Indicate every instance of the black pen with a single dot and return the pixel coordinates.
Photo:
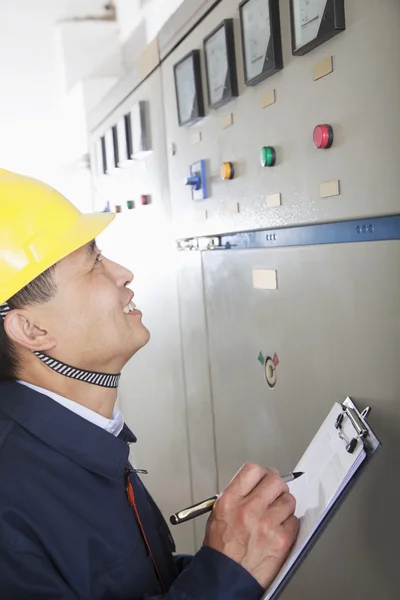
(207, 505)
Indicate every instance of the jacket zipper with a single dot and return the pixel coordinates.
(132, 502)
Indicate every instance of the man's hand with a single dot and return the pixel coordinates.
(253, 522)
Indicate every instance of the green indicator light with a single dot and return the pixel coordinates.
(267, 156)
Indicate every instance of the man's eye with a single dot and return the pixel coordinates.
(99, 259)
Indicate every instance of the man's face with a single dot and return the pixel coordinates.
(89, 318)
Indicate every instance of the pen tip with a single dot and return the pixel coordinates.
(298, 474)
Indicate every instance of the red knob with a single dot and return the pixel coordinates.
(323, 136)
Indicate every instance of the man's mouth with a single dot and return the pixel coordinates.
(130, 308)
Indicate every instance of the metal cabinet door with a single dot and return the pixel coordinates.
(334, 324)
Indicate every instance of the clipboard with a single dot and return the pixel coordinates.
(351, 444)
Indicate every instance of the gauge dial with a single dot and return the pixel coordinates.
(217, 66)
(110, 152)
(261, 39)
(308, 15)
(188, 88)
(314, 22)
(140, 130)
(122, 142)
(219, 51)
(257, 33)
(99, 160)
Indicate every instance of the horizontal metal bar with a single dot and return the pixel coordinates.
(343, 232)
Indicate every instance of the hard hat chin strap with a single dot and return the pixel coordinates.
(101, 379)
(93, 377)
(4, 309)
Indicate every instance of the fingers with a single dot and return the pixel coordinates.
(248, 478)
(289, 531)
(270, 487)
(282, 538)
(253, 522)
(281, 510)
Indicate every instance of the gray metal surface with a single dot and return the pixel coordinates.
(334, 324)
(196, 396)
(152, 394)
(181, 23)
(198, 384)
(360, 99)
(114, 97)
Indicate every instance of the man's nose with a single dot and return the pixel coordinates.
(120, 274)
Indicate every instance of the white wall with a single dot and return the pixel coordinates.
(33, 128)
(131, 14)
(36, 115)
(30, 88)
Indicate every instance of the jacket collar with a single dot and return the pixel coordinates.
(83, 442)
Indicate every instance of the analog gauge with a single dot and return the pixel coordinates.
(314, 22)
(140, 130)
(188, 89)
(111, 162)
(261, 39)
(99, 154)
(122, 142)
(219, 51)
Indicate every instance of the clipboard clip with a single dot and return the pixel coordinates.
(357, 420)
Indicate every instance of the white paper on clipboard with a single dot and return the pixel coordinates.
(328, 467)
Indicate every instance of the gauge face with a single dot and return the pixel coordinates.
(261, 39)
(110, 153)
(314, 22)
(217, 65)
(308, 15)
(122, 143)
(188, 89)
(257, 33)
(136, 128)
(219, 51)
(99, 160)
(139, 130)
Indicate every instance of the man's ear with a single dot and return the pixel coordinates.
(21, 329)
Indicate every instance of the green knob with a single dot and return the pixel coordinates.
(267, 156)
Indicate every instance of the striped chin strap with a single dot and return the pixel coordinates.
(4, 309)
(93, 377)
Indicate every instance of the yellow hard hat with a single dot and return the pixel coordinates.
(38, 227)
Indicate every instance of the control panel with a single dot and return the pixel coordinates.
(266, 88)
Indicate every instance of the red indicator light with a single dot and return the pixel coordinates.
(323, 136)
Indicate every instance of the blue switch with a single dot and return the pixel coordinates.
(198, 180)
(194, 180)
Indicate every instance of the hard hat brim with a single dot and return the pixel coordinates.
(84, 230)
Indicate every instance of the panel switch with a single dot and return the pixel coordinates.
(198, 181)
(194, 180)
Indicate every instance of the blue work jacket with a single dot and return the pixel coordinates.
(76, 522)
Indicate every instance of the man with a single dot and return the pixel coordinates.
(76, 522)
